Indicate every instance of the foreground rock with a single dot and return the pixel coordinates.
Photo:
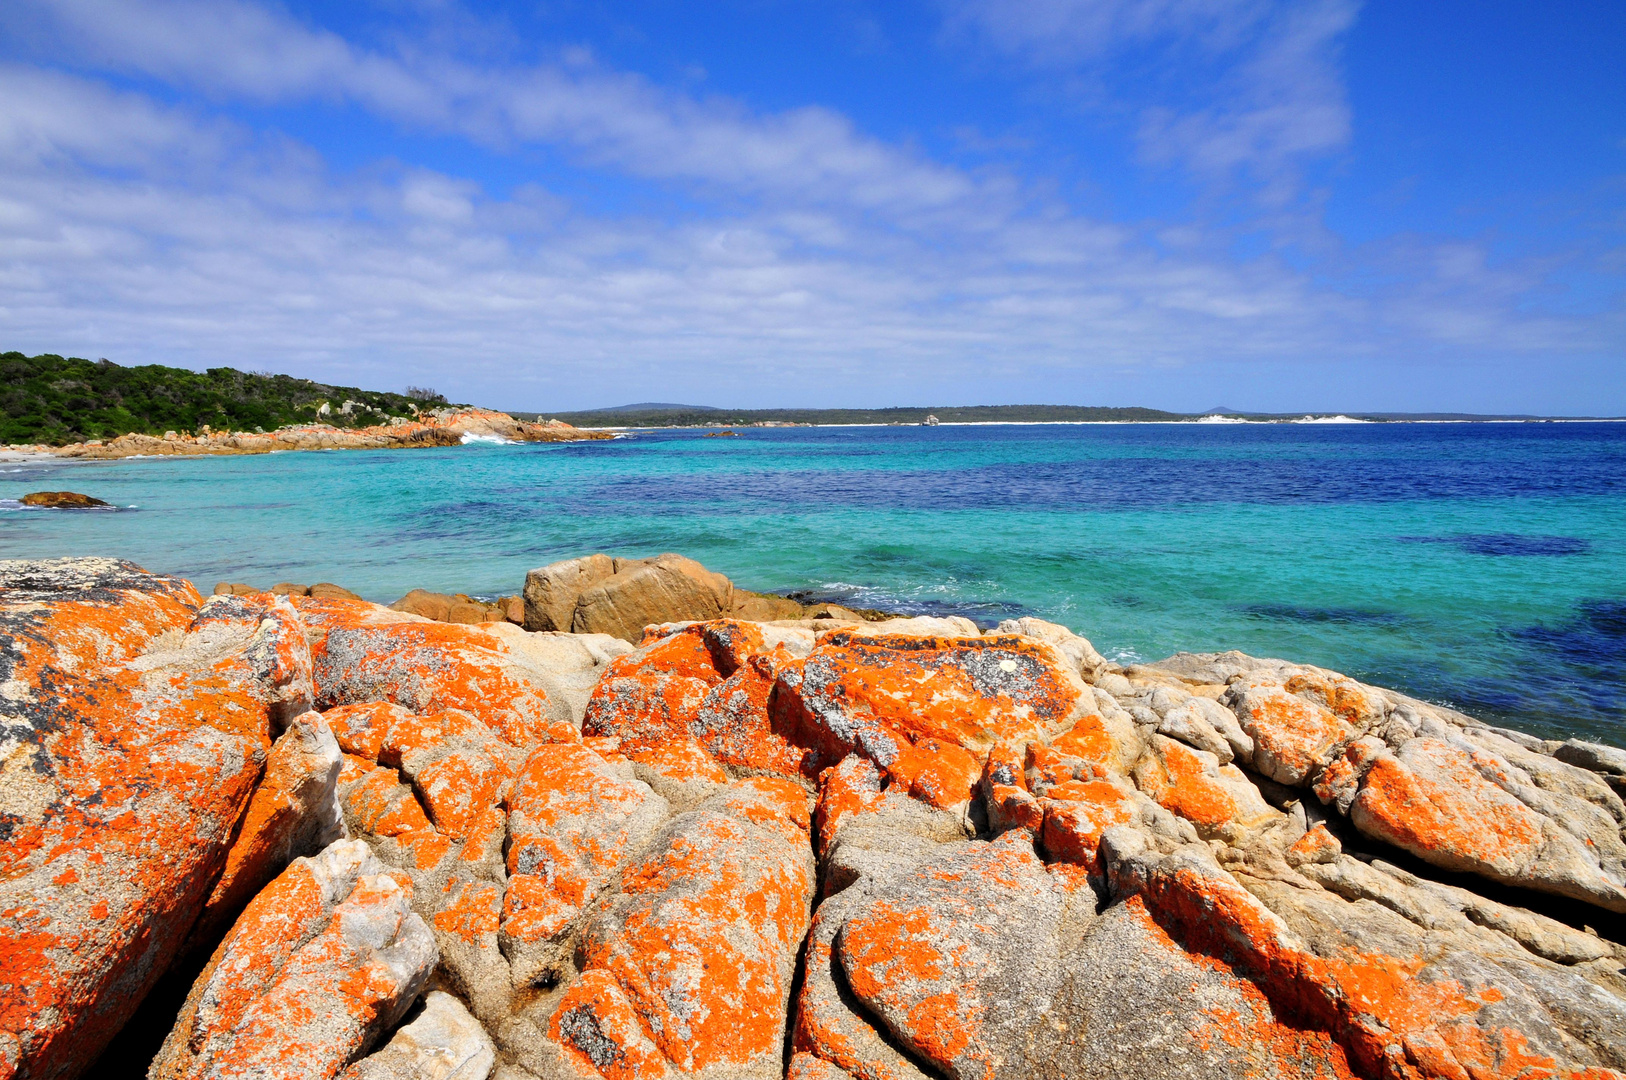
(135, 726)
(741, 849)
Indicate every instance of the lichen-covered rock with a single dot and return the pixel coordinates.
(130, 746)
(574, 820)
(1402, 998)
(294, 811)
(442, 1043)
(962, 957)
(689, 969)
(926, 710)
(323, 961)
(517, 683)
(708, 684)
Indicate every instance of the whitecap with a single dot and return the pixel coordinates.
(470, 438)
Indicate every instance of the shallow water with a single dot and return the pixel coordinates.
(1482, 565)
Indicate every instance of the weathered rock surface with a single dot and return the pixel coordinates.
(457, 608)
(600, 594)
(749, 849)
(442, 1043)
(135, 723)
(323, 961)
(61, 500)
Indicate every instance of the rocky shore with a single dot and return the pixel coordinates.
(726, 844)
(439, 427)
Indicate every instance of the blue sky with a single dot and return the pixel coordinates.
(1324, 205)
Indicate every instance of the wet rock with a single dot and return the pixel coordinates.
(61, 500)
(442, 1043)
(323, 961)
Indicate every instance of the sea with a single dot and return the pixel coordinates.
(1480, 565)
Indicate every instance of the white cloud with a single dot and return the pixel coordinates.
(1259, 91)
(820, 265)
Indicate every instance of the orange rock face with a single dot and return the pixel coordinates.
(366, 653)
(126, 770)
(1018, 875)
(706, 683)
(926, 710)
(574, 820)
(320, 964)
(697, 953)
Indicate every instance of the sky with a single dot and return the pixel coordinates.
(1322, 205)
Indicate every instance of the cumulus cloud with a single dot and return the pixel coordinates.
(780, 257)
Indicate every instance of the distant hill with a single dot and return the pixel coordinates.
(690, 416)
(57, 400)
(657, 407)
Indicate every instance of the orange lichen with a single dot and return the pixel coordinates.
(1389, 1020)
(1176, 779)
(1460, 820)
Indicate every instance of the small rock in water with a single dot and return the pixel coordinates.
(62, 500)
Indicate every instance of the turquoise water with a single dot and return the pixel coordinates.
(1479, 564)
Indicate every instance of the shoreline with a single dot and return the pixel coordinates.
(440, 427)
(519, 844)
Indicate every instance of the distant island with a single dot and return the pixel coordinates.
(663, 415)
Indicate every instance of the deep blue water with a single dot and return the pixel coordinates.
(1478, 564)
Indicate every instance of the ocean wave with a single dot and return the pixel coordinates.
(470, 439)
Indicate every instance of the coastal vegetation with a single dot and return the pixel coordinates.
(58, 400)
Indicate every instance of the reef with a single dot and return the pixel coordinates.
(605, 844)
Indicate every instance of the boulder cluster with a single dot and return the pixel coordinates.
(738, 848)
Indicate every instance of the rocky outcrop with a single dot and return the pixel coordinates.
(439, 427)
(747, 849)
(61, 500)
(321, 963)
(459, 607)
(600, 594)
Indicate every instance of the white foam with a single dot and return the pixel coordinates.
(470, 438)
